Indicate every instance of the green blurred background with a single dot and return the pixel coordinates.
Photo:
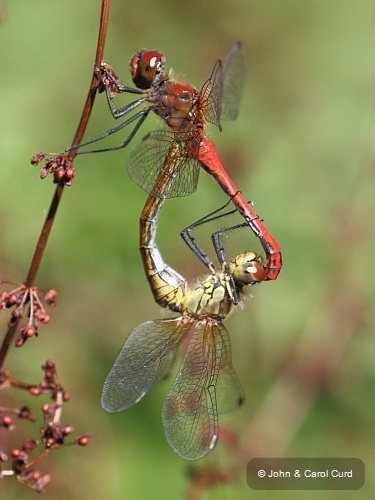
(302, 150)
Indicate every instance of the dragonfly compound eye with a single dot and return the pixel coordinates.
(247, 269)
(147, 68)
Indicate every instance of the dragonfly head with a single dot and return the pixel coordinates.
(246, 269)
(147, 68)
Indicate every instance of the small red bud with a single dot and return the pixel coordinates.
(59, 174)
(49, 374)
(30, 331)
(70, 173)
(7, 422)
(12, 299)
(17, 313)
(35, 391)
(83, 441)
(67, 429)
(46, 409)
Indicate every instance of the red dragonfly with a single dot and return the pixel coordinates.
(166, 162)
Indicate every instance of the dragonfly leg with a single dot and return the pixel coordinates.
(111, 83)
(218, 240)
(187, 235)
(140, 116)
(119, 112)
(188, 238)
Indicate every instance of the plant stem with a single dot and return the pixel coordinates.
(47, 226)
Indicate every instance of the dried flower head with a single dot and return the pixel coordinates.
(60, 166)
(54, 434)
(32, 300)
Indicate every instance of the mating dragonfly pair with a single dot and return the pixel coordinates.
(166, 164)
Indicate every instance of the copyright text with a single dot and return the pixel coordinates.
(306, 473)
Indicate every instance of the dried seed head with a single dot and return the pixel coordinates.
(37, 158)
(50, 297)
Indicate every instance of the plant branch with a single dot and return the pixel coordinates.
(47, 226)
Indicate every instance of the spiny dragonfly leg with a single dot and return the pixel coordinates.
(218, 243)
(188, 237)
(114, 82)
(112, 85)
(140, 116)
(110, 82)
(217, 239)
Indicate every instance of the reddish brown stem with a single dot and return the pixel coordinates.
(42, 455)
(47, 226)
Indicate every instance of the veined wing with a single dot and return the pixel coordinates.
(140, 361)
(229, 391)
(234, 67)
(164, 165)
(221, 94)
(190, 410)
(210, 95)
(169, 362)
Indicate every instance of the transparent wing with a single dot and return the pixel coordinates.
(233, 82)
(229, 391)
(190, 410)
(168, 365)
(139, 362)
(165, 166)
(221, 94)
(211, 95)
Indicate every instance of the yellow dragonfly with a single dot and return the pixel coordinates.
(206, 383)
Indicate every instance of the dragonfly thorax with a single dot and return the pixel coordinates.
(210, 298)
(178, 105)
